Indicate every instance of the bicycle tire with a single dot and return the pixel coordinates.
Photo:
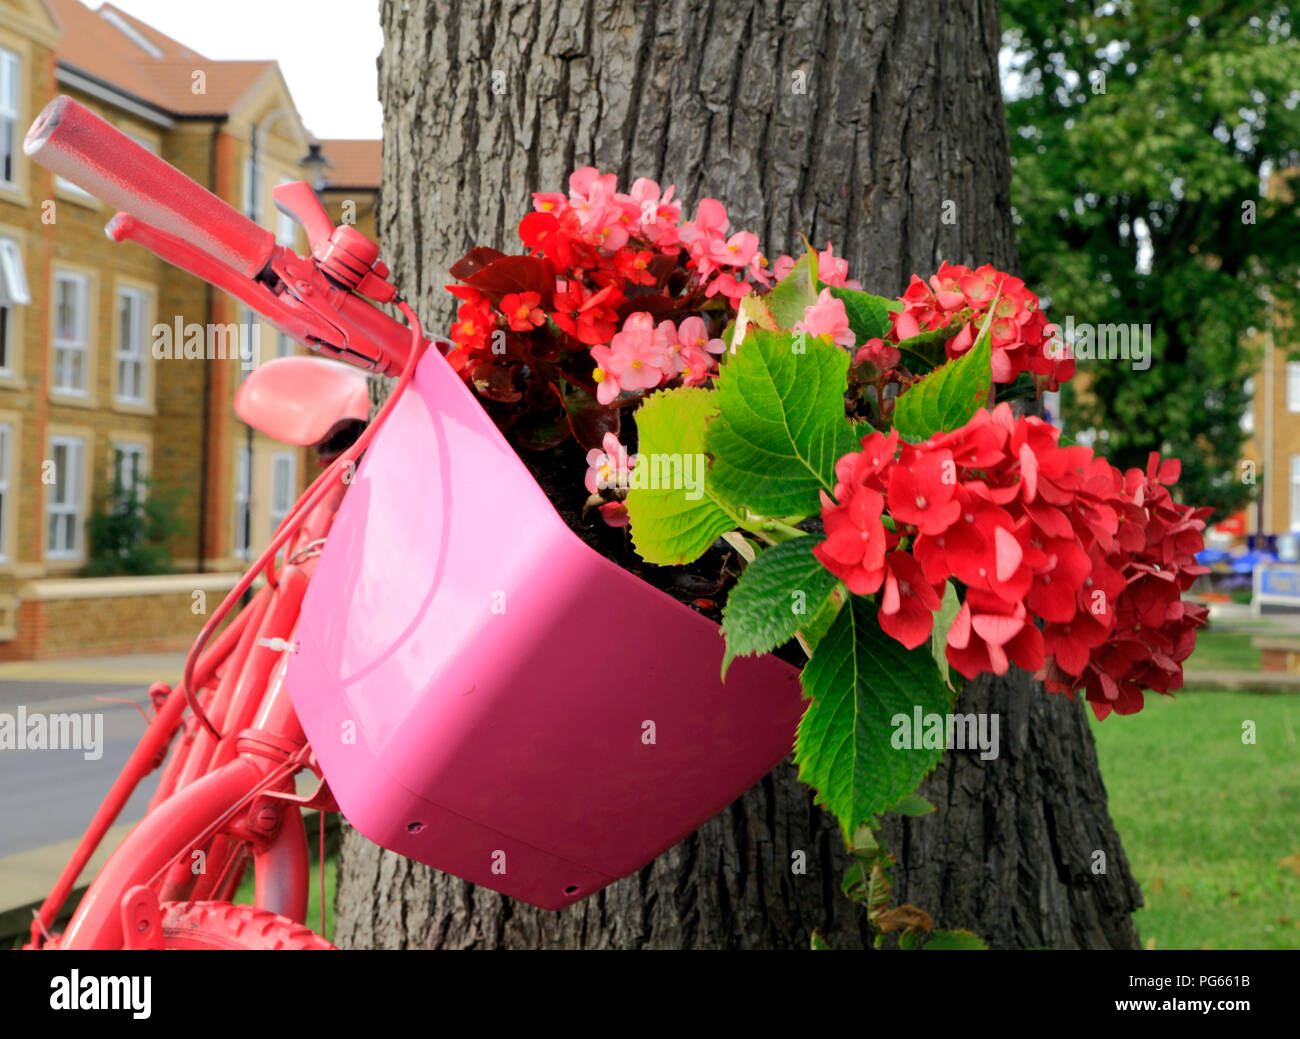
(222, 925)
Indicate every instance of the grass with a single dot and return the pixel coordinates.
(1223, 651)
(1206, 820)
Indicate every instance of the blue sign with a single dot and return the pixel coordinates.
(1278, 583)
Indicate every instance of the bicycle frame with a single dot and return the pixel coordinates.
(239, 788)
(227, 789)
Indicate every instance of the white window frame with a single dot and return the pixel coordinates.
(281, 503)
(72, 475)
(286, 229)
(1294, 486)
(11, 79)
(6, 467)
(243, 491)
(79, 343)
(14, 292)
(132, 354)
(1293, 386)
(133, 449)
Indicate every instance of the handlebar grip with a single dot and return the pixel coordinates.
(73, 142)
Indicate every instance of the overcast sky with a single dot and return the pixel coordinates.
(326, 50)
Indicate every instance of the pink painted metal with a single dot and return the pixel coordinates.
(299, 400)
(75, 143)
(525, 713)
(481, 691)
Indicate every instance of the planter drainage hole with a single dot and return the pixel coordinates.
(572, 889)
(414, 827)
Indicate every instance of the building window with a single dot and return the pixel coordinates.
(1295, 492)
(286, 231)
(1293, 386)
(1248, 415)
(10, 78)
(71, 304)
(128, 471)
(243, 489)
(6, 461)
(13, 293)
(64, 502)
(250, 337)
(284, 474)
(132, 372)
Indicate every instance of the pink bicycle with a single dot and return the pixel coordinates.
(420, 642)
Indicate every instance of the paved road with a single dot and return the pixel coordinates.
(51, 795)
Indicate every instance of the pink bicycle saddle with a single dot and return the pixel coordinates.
(300, 400)
(488, 695)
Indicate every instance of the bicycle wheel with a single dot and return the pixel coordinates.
(221, 925)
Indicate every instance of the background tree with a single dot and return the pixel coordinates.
(1143, 135)
(875, 124)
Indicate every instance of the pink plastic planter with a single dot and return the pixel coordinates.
(489, 696)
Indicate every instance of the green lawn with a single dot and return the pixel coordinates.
(1223, 651)
(1206, 819)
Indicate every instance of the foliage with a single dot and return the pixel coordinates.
(861, 455)
(1143, 138)
(128, 534)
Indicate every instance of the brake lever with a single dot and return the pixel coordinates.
(299, 202)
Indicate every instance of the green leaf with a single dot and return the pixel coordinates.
(780, 591)
(859, 680)
(674, 523)
(947, 397)
(947, 613)
(781, 426)
(954, 940)
(792, 294)
(752, 313)
(818, 942)
(868, 314)
(913, 805)
(929, 345)
(814, 630)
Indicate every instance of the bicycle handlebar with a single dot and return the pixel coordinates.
(76, 144)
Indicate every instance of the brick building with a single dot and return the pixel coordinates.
(85, 405)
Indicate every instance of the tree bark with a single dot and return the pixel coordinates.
(877, 124)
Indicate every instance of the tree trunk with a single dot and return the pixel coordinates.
(877, 124)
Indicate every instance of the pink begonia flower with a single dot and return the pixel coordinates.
(729, 286)
(550, 202)
(827, 317)
(691, 348)
(876, 351)
(657, 213)
(608, 469)
(759, 271)
(607, 387)
(737, 251)
(710, 221)
(783, 266)
(640, 355)
(614, 513)
(697, 365)
(834, 270)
